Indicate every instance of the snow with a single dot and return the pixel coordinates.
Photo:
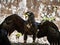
(13, 39)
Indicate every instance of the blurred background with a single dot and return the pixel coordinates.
(40, 8)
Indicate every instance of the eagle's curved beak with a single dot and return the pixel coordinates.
(25, 17)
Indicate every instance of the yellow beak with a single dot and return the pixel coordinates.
(25, 15)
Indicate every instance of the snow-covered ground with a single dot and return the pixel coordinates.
(13, 39)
